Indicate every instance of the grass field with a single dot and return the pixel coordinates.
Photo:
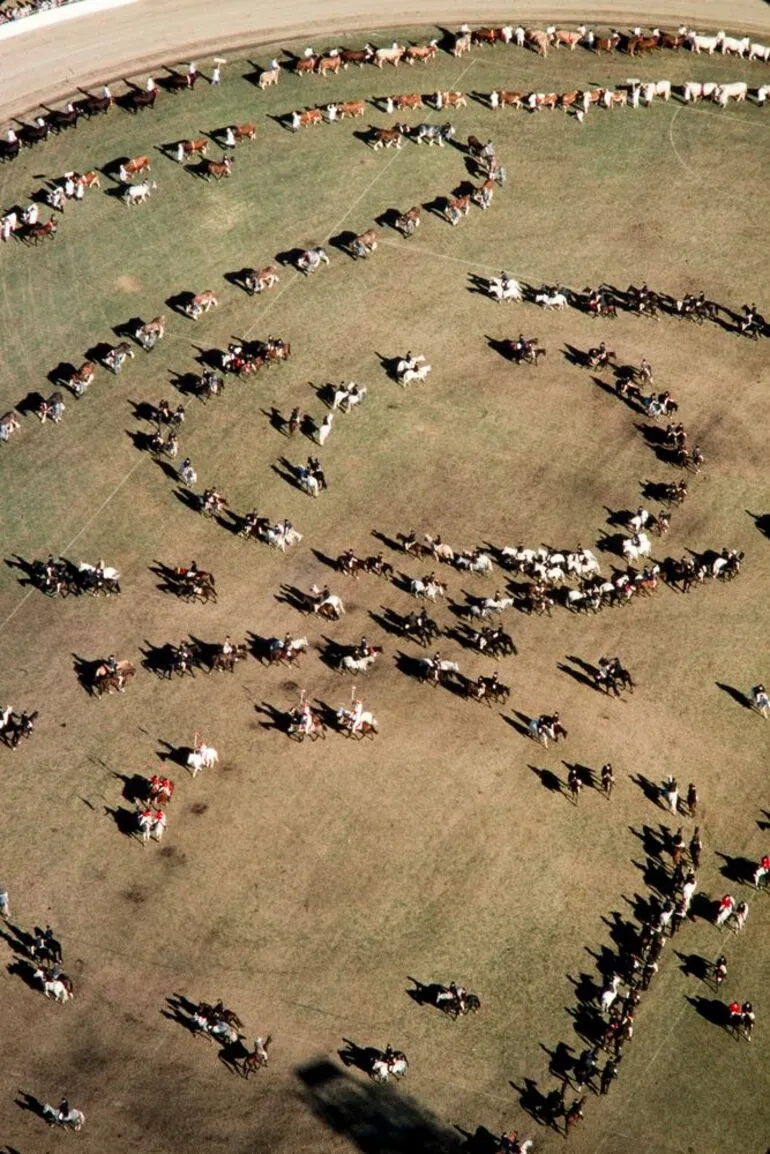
(302, 884)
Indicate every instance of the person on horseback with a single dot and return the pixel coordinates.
(410, 364)
(112, 664)
(361, 650)
(227, 649)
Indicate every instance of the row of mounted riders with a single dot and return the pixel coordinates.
(605, 301)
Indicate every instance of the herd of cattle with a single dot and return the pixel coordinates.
(570, 575)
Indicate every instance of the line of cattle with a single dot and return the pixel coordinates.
(329, 62)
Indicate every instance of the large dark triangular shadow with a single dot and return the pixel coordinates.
(375, 1119)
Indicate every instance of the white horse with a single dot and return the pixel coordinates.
(760, 700)
(60, 989)
(354, 721)
(333, 601)
(557, 300)
(583, 564)
(429, 667)
(202, 757)
(637, 546)
(510, 290)
(395, 1068)
(497, 604)
(308, 482)
(219, 1031)
(75, 1119)
(407, 375)
(640, 520)
(429, 589)
(609, 994)
(312, 259)
(357, 664)
(482, 563)
(139, 193)
(347, 397)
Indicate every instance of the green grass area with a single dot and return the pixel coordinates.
(315, 879)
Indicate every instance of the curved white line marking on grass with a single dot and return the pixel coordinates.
(705, 112)
(677, 154)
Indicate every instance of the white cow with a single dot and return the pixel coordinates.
(734, 45)
(736, 91)
(700, 44)
(759, 52)
(139, 193)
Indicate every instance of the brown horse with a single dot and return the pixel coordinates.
(226, 662)
(256, 1060)
(218, 168)
(37, 232)
(105, 680)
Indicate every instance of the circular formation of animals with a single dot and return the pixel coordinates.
(312, 437)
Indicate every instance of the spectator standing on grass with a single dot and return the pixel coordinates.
(5, 905)
(696, 848)
(608, 779)
(692, 799)
(609, 1073)
(761, 871)
(574, 784)
(216, 76)
(720, 970)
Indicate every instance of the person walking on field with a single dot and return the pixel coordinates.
(574, 784)
(696, 848)
(609, 1073)
(725, 910)
(608, 779)
(760, 872)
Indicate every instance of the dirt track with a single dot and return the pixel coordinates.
(39, 67)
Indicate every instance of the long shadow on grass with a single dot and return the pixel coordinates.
(736, 694)
(373, 1119)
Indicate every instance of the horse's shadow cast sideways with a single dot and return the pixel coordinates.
(736, 695)
(388, 620)
(27, 1101)
(711, 1009)
(25, 969)
(695, 966)
(649, 788)
(548, 778)
(85, 671)
(388, 542)
(761, 521)
(125, 819)
(737, 869)
(361, 1058)
(135, 787)
(176, 754)
(276, 719)
(425, 994)
(295, 598)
